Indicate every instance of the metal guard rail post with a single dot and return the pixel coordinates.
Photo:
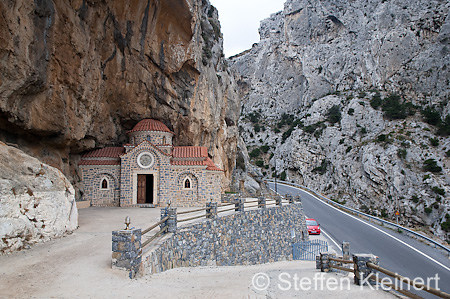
(365, 215)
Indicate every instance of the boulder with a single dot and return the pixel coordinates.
(37, 202)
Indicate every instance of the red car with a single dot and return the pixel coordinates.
(313, 226)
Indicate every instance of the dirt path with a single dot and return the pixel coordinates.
(79, 266)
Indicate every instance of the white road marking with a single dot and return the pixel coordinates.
(382, 231)
(328, 236)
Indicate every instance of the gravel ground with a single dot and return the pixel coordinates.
(79, 266)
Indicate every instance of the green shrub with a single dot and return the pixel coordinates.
(445, 226)
(348, 149)
(283, 176)
(276, 130)
(322, 168)
(438, 190)
(259, 163)
(428, 210)
(334, 114)
(351, 111)
(434, 141)
(257, 128)
(254, 117)
(381, 138)
(286, 134)
(431, 165)
(365, 209)
(431, 116)
(376, 101)
(415, 198)
(384, 214)
(401, 153)
(265, 149)
(255, 153)
(394, 108)
(363, 131)
(311, 128)
(444, 127)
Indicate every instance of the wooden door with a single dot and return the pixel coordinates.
(141, 188)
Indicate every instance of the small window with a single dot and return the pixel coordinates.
(164, 140)
(104, 184)
(187, 183)
(149, 138)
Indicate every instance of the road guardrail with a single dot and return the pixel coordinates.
(320, 196)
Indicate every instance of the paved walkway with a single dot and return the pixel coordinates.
(79, 266)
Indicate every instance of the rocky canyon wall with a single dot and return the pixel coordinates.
(351, 99)
(76, 75)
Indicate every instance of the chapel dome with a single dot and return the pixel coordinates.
(150, 125)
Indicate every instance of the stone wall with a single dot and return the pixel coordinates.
(244, 238)
(92, 176)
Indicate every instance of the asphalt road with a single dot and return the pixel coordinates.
(366, 237)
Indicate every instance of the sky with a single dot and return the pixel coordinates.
(240, 20)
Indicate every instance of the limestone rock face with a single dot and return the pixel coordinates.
(314, 55)
(76, 75)
(37, 202)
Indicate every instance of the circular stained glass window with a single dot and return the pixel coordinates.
(145, 160)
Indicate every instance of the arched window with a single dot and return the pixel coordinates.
(187, 183)
(104, 184)
(164, 140)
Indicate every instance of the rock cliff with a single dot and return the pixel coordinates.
(351, 99)
(37, 201)
(76, 75)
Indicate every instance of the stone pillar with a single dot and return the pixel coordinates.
(318, 263)
(126, 250)
(261, 202)
(172, 221)
(279, 200)
(239, 205)
(211, 211)
(290, 198)
(346, 250)
(324, 262)
(361, 269)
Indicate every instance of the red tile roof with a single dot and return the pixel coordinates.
(206, 162)
(188, 163)
(99, 162)
(107, 152)
(190, 152)
(150, 125)
(211, 165)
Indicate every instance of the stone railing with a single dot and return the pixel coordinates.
(256, 232)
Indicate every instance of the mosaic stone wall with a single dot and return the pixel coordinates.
(153, 137)
(92, 177)
(206, 185)
(244, 238)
